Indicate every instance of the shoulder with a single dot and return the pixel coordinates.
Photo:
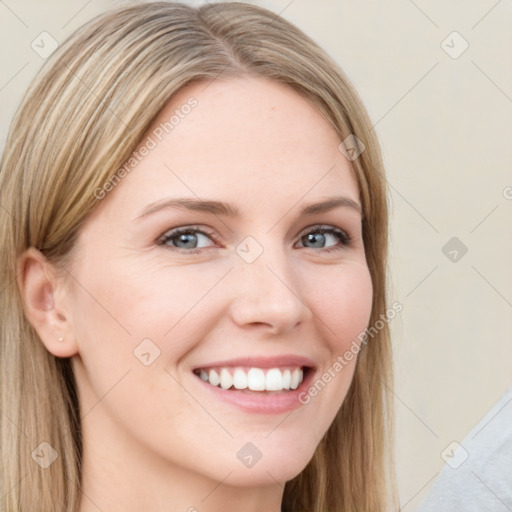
(478, 471)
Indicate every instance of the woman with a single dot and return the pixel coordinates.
(195, 222)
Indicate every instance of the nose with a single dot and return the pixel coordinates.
(268, 292)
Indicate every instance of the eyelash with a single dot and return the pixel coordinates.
(345, 239)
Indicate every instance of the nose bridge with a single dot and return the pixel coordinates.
(266, 286)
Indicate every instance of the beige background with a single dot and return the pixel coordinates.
(446, 128)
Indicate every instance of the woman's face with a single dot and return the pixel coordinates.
(249, 289)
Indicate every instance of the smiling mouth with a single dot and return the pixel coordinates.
(251, 379)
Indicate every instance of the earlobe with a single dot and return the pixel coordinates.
(43, 303)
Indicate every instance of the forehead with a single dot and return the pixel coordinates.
(247, 140)
(248, 114)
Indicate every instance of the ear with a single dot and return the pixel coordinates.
(44, 303)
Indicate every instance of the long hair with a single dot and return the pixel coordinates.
(80, 120)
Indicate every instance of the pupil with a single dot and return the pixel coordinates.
(187, 238)
(319, 239)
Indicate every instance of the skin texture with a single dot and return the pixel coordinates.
(154, 439)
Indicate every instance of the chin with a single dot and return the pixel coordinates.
(275, 464)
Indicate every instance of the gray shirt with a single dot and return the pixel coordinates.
(477, 475)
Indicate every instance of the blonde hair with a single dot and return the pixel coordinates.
(80, 120)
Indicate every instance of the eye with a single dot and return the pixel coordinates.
(185, 239)
(318, 236)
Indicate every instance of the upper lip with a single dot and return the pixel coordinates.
(261, 362)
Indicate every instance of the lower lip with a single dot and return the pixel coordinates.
(261, 402)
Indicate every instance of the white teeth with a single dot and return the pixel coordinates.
(226, 381)
(240, 379)
(287, 379)
(213, 378)
(296, 378)
(274, 380)
(255, 379)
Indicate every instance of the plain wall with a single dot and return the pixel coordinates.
(445, 125)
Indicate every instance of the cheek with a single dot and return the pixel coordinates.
(138, 301)
(131, 327)
(343, 304)
(125, 317)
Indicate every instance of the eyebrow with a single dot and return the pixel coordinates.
(230, 210)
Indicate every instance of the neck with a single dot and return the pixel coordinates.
(121, 475)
